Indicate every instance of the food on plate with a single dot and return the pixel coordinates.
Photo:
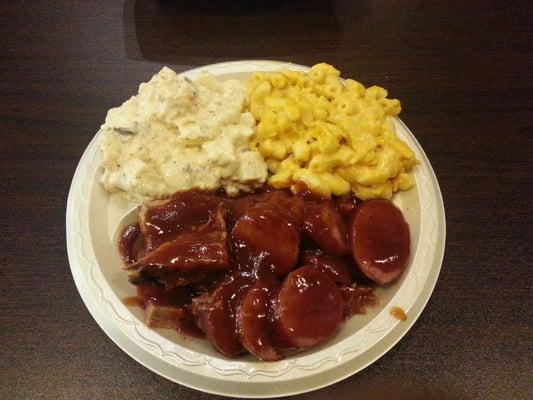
(380, 240)
(184, 240)
(309, 308)
(264, 231)
(265, 217)
(253, 318)
(178, 134)
(333, 135)
(215, 314)
(323, 223)
(270, 273)
(338, 268)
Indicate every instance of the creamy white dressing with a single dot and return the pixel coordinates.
(176, 134)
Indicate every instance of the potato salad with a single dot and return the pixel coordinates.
(176, 134)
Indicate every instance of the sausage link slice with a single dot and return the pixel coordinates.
(309, 308)
(323, 223)
(215, 315)
(265, 231)
(253, 320)
(339, 269)
(380, 240)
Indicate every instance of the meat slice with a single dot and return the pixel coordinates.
(254, 323)
(189, 258)
(309, 308)
(215, 314)
(290, 207)
(188, 252)
(380, 240)
(241, 206)
(339, 269)
(161, 221)
(168, 309)
(157, 294)
(323, 224)
(265, 238)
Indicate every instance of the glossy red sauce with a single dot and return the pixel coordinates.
(255, 320)
(128, 243)
(215, 314)
(356, 298)
(184, 211)
(340, 269)
(179, 297)
(309, 308)
(380, 240)
(269, 273)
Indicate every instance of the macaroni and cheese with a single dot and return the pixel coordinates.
(333, 135)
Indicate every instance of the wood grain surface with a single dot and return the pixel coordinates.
(463, 73)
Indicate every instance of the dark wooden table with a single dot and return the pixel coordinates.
(463, 73)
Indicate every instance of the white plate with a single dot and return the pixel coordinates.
(92, 217)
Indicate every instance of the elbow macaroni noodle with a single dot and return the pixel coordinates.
(333, 135)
